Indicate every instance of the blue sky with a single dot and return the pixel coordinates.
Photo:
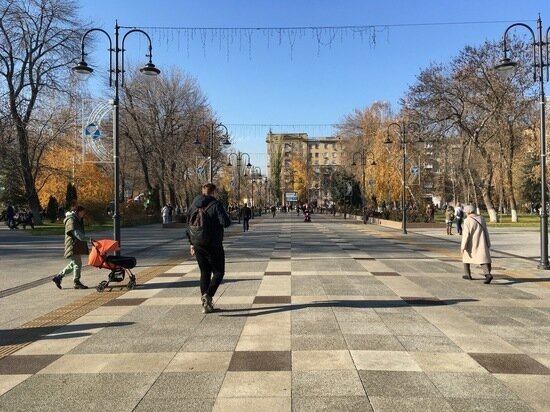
(257, 84)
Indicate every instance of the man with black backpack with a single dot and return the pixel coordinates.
(206, 220)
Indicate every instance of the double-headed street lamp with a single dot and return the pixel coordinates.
(238, 158)
(363, 155)
(116, 70)
(403, 129)
(540, 61)
(212, 128)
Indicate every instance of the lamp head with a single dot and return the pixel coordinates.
(229, 164)
(373, 163)
(249, 164)
(82, 70)
(150, 70)
(506, 67)
(387, 140)
(197, 141)
(226, 142)
(353, 163)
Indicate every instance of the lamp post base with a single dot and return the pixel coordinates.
(543, 266)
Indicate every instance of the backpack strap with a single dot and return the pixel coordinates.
(213, 202)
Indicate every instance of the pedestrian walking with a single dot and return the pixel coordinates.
(165, 212)
(273, 210)
(476, 244)
(246, 214)
(76, 245)
(10, 217)
(449, 218)
(207, 219)
(459, 216)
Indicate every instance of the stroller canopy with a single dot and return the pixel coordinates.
(100, 249)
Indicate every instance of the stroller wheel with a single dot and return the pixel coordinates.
(101, 286)
(131, 284)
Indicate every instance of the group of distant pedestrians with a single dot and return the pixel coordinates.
(15, 217)
(207, 218)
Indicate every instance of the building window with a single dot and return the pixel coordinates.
(316, 162)
(317, 154)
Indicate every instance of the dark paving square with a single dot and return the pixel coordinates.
(272, 299)
(277, 273)
(125, 302)
(385, 274)
(419, 301)
(510, 363)
(260, 361)
(25, 364)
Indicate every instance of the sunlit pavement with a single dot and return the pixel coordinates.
(330, 315)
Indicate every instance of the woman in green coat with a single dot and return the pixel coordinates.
(76, 245)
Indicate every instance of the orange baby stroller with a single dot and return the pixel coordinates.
(100, 257)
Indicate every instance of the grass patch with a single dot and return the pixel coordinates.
(50, 229)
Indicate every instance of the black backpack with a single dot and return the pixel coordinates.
(200, 228)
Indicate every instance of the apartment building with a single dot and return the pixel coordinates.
(320, 157)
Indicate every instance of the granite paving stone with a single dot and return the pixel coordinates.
(397, 404)
(331, 383)
(331, 404)
(510, 363)
(398, 384)
(470, 385)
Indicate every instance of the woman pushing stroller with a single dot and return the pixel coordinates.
(76, 245)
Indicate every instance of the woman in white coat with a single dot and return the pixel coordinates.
(476, 244)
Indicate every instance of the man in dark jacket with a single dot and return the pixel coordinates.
(210, 257)
(246, 214)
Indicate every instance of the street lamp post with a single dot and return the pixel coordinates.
(239, 157)
(540, 61)
(403, 129)
(116, 70)
(212, 128)
(363, 154)
(255, 172)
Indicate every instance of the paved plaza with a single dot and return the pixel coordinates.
(331, 315)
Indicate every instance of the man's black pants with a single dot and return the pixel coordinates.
(212, 265)
(245, 224)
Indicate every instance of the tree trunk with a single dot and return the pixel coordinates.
(28, 177)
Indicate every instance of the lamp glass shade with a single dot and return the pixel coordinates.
(506, 68)
(150, 70)
(82, 70)
(226, 142)
(387, 140)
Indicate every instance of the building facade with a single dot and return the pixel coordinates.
(318, 156)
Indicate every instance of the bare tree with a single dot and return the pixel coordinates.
(465, 103)
(160, 120)
(38, 40)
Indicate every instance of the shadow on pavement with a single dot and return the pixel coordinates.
(356, 304)
(184, 284)
(26, 335)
